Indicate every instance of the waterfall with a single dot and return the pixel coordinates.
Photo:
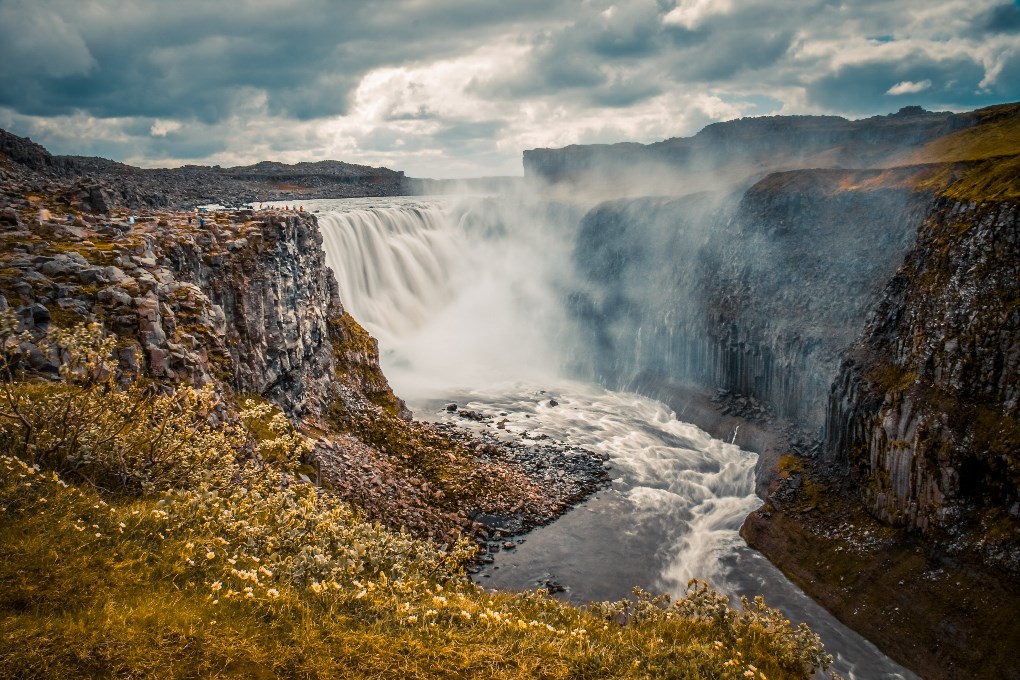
(469, 301)
(393, 264)
(458, 293)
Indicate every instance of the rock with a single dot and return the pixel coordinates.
(96, 200)
(553, 402)
(33, 316)
(553, 586)
(158, 360)
(56, 267)
(114, 296)
(451, 408)
(152, 333)
(128, 359)
(9, 218)
(116, 275)
(36, 359)
(92, 275)
(74, 306)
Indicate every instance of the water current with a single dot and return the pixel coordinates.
(466, 298)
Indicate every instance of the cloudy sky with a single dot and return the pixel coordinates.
(458, 88)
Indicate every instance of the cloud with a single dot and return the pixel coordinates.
(38, 42)
(439, 87)
(161, 128)
(908, 87)
(1004, 18)
(690, 14)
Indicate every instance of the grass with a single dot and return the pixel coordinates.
(94, 586)
(218, 563)
(978, 163)
(995, 134)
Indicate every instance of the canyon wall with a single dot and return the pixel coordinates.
(740, 152)
(759, 294)
(924, 414)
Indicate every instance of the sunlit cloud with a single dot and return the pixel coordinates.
(907, 87)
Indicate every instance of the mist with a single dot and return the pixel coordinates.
(522, 306)
(461, 291)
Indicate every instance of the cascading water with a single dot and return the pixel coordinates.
(382, 253)
(467, 299)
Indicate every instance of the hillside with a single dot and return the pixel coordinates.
(110, 184)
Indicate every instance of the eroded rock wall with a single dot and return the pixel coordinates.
(243, 300)
(925, 412)
(759, 294)
(276, 296)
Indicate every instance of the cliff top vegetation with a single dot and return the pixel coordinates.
(142, 541)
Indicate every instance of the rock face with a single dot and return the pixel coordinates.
(925, 411)
(271, 298)
(246, 302)
(759, 294)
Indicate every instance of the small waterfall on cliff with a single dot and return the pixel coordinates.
(468, 301)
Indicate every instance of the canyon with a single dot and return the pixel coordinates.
(846, 290)
(855, 289)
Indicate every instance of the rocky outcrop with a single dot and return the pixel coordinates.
(273, 297)
(925, 413)
(242, 301)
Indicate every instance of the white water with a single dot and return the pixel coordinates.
(466, 300)
(454, 300)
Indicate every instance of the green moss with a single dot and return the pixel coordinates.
(357, 359)
(64, 318)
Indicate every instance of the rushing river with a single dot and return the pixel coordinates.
(466, 299)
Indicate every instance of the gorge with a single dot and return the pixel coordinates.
(787, 292)
(846, 291)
